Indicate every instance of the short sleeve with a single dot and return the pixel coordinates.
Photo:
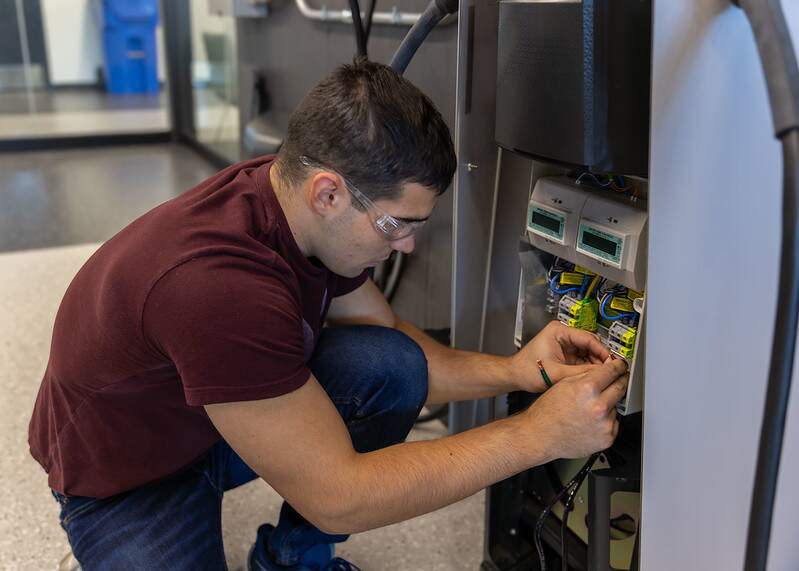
(344, 285)
(232, 327)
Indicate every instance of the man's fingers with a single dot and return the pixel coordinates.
(582, 342)
(596, 360)
(615, 391)
(603, 376)
(558, 371)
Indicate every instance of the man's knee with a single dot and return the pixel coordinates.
(401, 363)
(374, 368)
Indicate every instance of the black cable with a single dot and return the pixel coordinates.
(433, 14)
(778, 59)
(360, 37)
(571, 489)
(568, 506)
(564, 528)
(539, 526)
(368, 25)
(782, 357)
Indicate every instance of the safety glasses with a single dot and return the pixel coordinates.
(385, 224)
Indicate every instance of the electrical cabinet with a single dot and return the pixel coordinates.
(709, 212)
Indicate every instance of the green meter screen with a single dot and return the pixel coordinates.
(599, 243)
(541, 219)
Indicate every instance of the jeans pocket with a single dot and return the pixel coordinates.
(60, 498)
(76, 506)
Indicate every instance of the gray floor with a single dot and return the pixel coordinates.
(79, 196)
(78, 99)
(87, 195)
(75, 112)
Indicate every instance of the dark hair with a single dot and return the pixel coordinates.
(374, 127)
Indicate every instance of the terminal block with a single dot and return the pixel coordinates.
(578, 313)
(621, 339)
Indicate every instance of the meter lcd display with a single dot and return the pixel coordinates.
(599, 243)
(541, 219)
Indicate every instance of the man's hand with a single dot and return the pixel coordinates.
(577, 417)
(564, 351)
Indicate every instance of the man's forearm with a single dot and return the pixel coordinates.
(460, 375)
(410, 479)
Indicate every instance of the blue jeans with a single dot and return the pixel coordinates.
(376, 378)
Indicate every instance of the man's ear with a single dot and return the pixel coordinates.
(326, 194)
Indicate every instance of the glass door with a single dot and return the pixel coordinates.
(214, 81)
(81, 68)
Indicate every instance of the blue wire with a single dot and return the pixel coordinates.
(602, 305)
(583, 288)
(555, 288)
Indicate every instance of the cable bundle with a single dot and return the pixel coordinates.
(569, 492)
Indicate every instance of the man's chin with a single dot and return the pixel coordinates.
(353, 272)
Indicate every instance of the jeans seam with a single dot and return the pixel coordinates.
(204, 471)
(349, 401)
(220, 543)
(283, 549)
(346, 400)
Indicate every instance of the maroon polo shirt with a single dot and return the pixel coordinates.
(205, 299)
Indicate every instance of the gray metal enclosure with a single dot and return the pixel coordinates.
(715, 220)
(714, 208)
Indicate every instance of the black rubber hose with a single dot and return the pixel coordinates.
(360, 37)
(564, 531)
(778, 59)
(369, 17)
(782, 357)
(432, 15)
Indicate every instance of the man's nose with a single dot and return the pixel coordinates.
(404, 245)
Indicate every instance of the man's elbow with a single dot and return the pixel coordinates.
(337, 517)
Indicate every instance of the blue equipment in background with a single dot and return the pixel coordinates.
(131, 59)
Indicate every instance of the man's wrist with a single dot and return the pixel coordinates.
(513, 375)
(521, 377)
(538, 439)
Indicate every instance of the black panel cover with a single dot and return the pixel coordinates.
(573, 82)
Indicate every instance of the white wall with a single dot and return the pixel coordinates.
(715, 202)
(73, 40)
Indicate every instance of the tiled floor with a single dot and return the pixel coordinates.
(78, 99)
(73, 112)
(75, 123)
(82, 112)
(55, 198)
(74, 197)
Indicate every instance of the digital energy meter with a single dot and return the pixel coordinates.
(601, 233)
(611, 240)
(553, 215)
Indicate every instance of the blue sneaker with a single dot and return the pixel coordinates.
(318, 558)
(339, 564)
